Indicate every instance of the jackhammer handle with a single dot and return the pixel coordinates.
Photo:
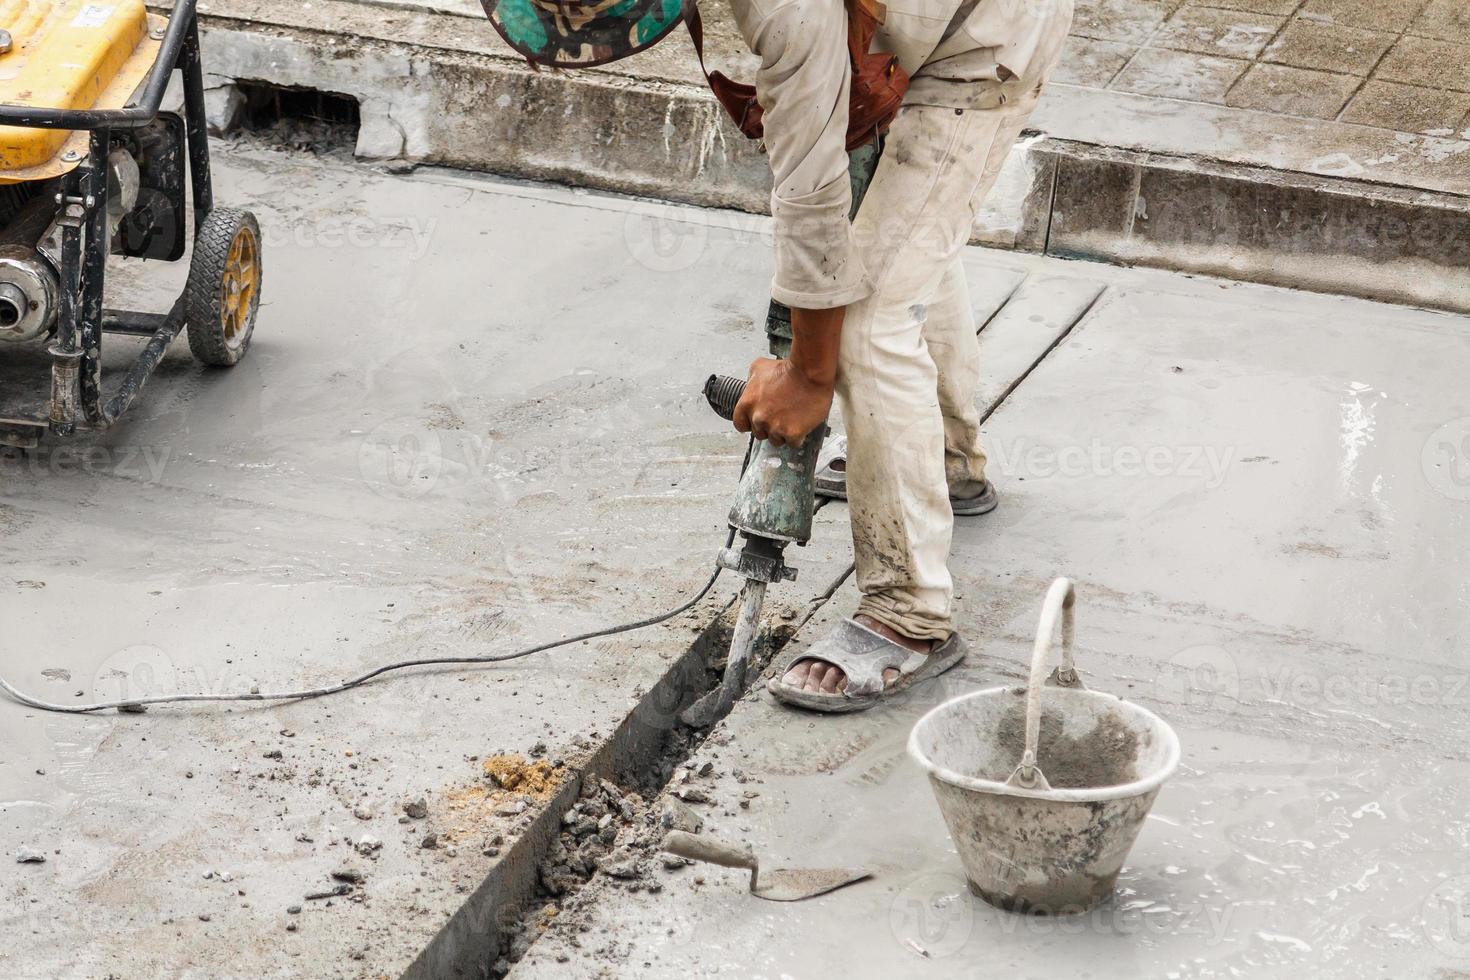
(723, 394)
(697, 848)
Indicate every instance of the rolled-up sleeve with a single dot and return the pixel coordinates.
(803, 86)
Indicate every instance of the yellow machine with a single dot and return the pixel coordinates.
(90, 167)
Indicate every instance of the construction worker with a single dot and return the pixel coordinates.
(880, 309)
(881, 313)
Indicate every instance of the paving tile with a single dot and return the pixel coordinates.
(1429, 63)
(1375, 15)
(1091, 62)
(1281, 8)
(1293, 91)
(1129, 21)
(1224, 33)
(1445, 19)
(1179, 75)
(1409, 109)
(1329, 47)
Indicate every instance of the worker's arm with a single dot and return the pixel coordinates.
(803, 86)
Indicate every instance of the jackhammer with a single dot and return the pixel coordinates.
(776, 499)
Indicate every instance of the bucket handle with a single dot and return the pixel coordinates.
(1061, 602)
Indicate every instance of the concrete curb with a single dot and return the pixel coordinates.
(1269, 226)
(461, 106)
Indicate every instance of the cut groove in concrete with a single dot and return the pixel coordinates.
(642, 753)
(472, 939)
(1041, 314)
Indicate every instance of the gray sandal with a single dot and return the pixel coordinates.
(863, 654)
(832, 483)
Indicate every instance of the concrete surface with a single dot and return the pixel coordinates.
(470, 421)
(1263, 497)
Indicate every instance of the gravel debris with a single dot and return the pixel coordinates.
(517, 774)
(678, 815)
(692, 794)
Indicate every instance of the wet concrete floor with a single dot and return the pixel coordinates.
(472, 422)
(1264, 499)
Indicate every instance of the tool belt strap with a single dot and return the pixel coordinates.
(878, 81)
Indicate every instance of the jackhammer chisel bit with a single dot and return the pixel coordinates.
(777, 497)
(773, 508)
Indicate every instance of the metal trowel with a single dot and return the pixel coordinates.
(778, 885)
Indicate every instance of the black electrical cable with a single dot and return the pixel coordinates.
(139, 704)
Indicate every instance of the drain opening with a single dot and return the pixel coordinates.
(303, 118)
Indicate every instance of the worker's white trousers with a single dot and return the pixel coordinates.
(910, 360)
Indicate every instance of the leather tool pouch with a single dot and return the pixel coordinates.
(878, 82)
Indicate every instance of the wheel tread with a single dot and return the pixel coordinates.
(204, 298)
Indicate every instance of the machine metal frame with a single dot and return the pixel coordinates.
(76, 398)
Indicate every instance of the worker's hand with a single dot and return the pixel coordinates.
(781, 404)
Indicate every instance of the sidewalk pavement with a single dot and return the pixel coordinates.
(1389, 64)
(1318, 144)
(1397, 65)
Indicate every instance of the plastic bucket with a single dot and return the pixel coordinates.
(1044, 788)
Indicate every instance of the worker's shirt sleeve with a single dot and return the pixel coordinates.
(803, 85)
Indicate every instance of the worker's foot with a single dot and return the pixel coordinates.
(820, 677)
(859, 664)
(832, 483)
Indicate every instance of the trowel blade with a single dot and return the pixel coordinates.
(795, 884)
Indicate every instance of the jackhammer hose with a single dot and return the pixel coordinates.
(723, 394)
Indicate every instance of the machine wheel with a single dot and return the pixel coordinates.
(224, 287)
